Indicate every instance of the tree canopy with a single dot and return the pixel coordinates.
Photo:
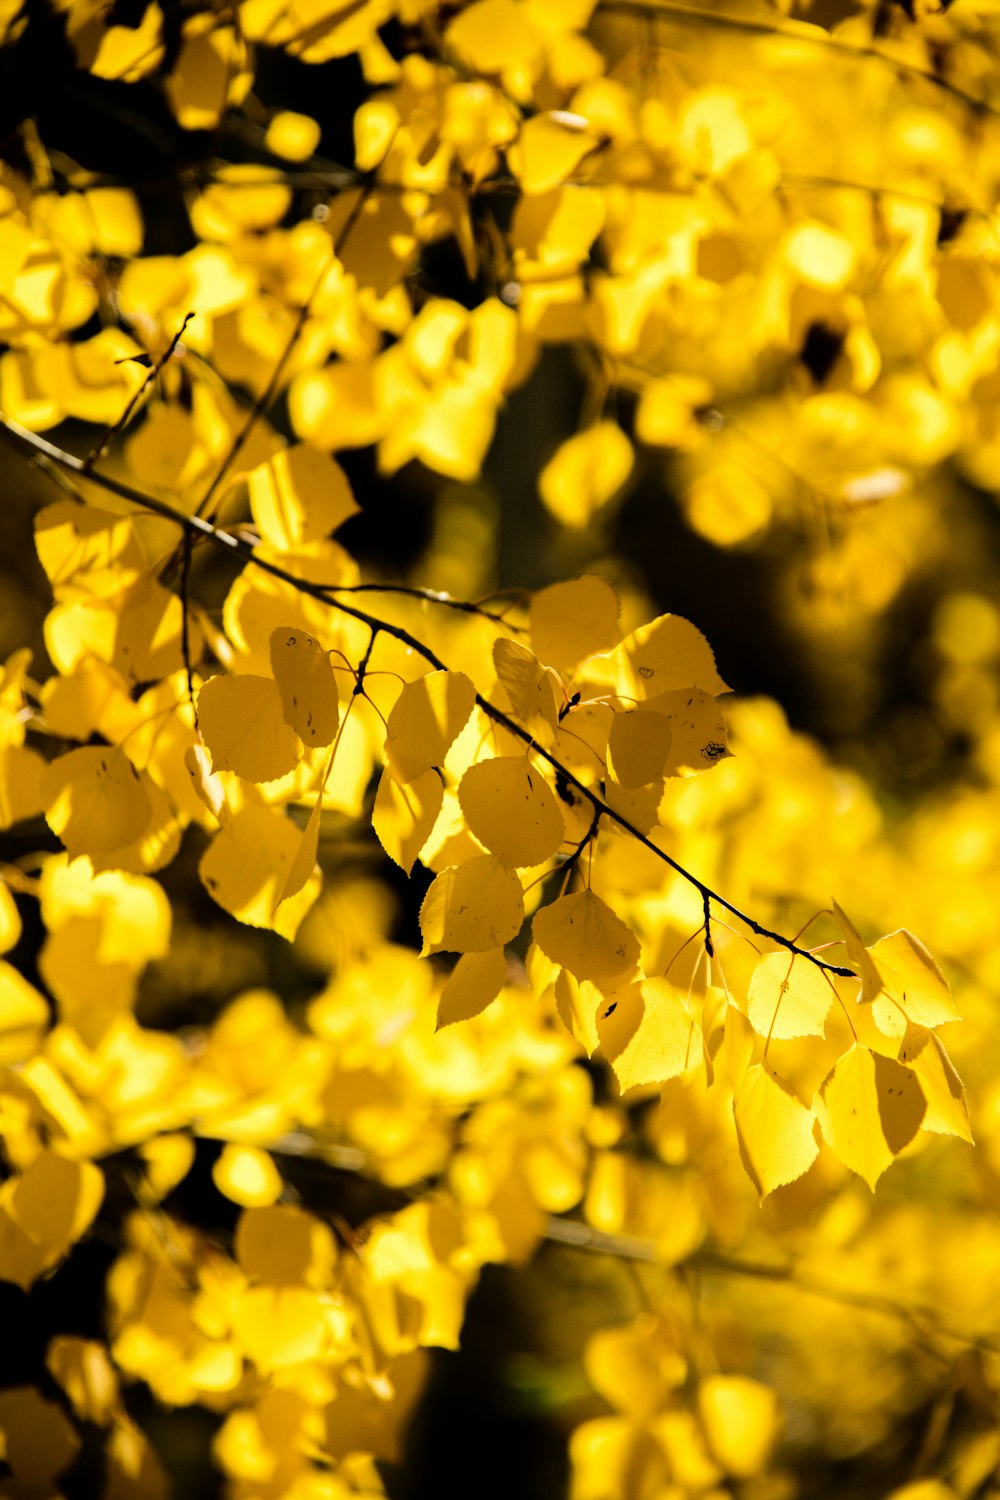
(499, 748)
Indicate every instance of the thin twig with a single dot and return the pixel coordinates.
(116, 427)
(270, 390)
(240, 546)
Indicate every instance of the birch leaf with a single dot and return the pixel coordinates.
(511, 809)
(242, 722)
(774, 1129)
(471, 907)
(307, 684)
(426, 718)
(404, 816)
(869, 1108)
(582, 934)
(788, 997)
(473, 984)
(647, 1034)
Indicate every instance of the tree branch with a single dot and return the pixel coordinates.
(244, 549)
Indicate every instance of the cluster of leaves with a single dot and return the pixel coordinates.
(782, 324)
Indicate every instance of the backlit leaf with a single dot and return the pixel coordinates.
(664, 656)
(869, 1108)
(299, 495)
(788, 997)
(548, 150)
(947, 1110)
(858, 957)
(648, 1034)
(472, 907)
(585, 472)
(530, 688)
(774, 1129)
(247, 1176)
(913, 987)
(426, 718)
(247, 864)
(582, 934)
(307, 684)
(571, 621)
(95, 799)
(638, 746)
(403, 816)
(242, 721)
(474, 982)
(511, 809)
(740, 1418)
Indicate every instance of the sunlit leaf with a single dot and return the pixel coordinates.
(511, 810)
(648, 1034)
(472, 907)
(788, 997)
(95, 799)
(582, 934)
(307, 684)
(404, 815)
(570, 621)
(774, 1129)
(474, 982)
(869, 1108)
(425, 719)
(242, 721)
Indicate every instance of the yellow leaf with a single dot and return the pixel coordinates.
(20, 784)
(530, 688)
(473, 983)
(585, 472)
(39, 1441)
(858, 957)
(307, 684)
(511, 809)
(426, 718)
(285, 1246)
(582, 934)
(913, 987)
(166, 1159)
(86, 551)
(56, 1200)
(698, 733)
(280, 1325)
(24, 1016)
(774, 1129)
(638, 746)
(571, 621)
(869, 1108)
(299, 495)
(490, 35)
(404, 816)
(10, 919)
(662, 657)
(647, 1034)
(246, 866)
(292, 136)
(209, 74)
(577, 1003)
(247, 1176)
(947, 1110)
(85, 1372)
(472, 907)
(95, 799)
(740, 1419)
(549, 149)
(788, 997)
(242, 722)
